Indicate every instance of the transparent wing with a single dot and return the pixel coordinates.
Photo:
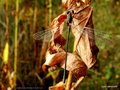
(105, 39)
(100, 35)
(43, 35)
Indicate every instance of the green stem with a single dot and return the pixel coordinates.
(50, 11)
(16, 45)
(7, 20)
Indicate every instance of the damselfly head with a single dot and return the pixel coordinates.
(67, 12)
(73, 12)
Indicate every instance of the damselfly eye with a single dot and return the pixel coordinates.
(72, 11)
(67, 12)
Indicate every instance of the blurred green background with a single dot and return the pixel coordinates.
(35, 16)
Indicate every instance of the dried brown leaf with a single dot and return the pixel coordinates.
(84, 45)
(57, 27)
(74, 63)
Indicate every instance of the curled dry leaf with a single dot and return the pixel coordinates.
(74, 63)
(57, 27)
(84, 45)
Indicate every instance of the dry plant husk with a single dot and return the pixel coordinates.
(84, 43)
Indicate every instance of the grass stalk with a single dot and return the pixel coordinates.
(50, 11)
(7, 20)
(16, 44)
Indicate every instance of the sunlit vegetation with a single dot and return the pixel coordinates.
(21, 57)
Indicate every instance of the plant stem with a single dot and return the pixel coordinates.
(50, 11)
(48, 17)
(69, 81)
(34, 26)
(7, 20)
(16, 45)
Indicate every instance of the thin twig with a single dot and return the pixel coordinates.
(78, 82)
(3, 24)
(20, 36)
(39, 78)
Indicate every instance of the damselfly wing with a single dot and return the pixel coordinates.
(100, 35)
(45, 34)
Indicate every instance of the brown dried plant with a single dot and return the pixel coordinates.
(85, 49)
